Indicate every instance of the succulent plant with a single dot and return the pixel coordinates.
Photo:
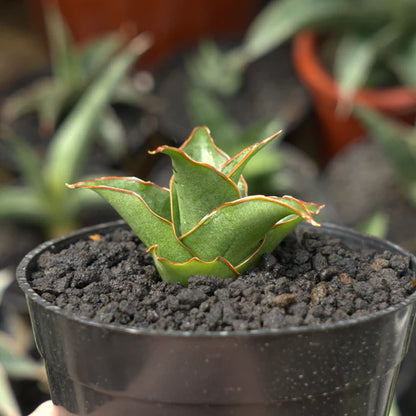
(205, 224)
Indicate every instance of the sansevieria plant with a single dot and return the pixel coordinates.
(206, 223)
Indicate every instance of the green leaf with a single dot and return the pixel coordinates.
(396, 139)
(235, 229)
(53, 106)
(404, 63)
(272, 239)
(377, 225)
(198, 186)
(353, 60)
(67, 152)
(14, 361)
(280, 20)
(156, 197)
(98, 53)
(174, 207)
(214, 70)
(234, 167)
(21, 204)
(27, 160)
(206, 110)
(201, 148)
(8, 403)
(145, 207)
(6, 278)
(26, 100)
(112, 134)
(180, 272)
(355, 57)
(66, 64)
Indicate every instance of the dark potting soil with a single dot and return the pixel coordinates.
(310, 278)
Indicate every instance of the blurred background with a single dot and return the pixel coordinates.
(87, 87)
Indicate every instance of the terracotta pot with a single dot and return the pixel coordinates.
(338, 131)
(174, 23)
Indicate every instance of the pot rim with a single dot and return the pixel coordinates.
(298, 330)
(321, 81)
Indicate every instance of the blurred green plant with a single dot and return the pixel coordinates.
(398, 141)
(41, 199)
(15, 360)
(73, 69)
(374, 39)
(376, 225)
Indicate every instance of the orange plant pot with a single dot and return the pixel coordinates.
(338, 131)
(173, 23)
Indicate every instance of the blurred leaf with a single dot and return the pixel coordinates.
(398, 140)
(281, 19)
(376, 225)
(215, 70)
(66, 154)
(404, 63)
(98, 53)
(54, 103)
(8, 403)
(355, 57)
(206, 110)
(127, 94)
(15, 362)
(27, 160)
(66, 64)
(19, 203)
(27, 99)
(112, 134)
(394, 411)
(6, 277)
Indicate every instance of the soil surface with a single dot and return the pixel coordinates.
(311, 278)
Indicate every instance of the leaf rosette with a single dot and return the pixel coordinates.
(205, 223)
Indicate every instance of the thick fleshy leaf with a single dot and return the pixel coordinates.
(273, 238)
(233, 168)
(156, 197)
(180, 272)
(142, 211)
(235, 229)
(174, 207)
(201, 147)
(199, 187)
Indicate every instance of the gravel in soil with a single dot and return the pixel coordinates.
(310, 278)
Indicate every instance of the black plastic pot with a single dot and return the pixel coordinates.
(347, 368)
